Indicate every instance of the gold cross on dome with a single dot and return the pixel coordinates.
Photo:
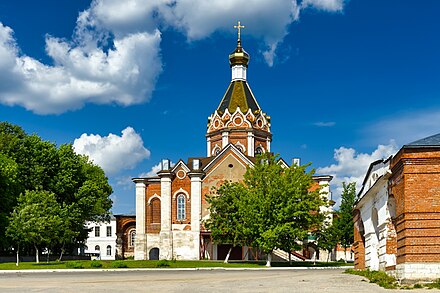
(239, 27)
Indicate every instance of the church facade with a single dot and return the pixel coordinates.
(397, 214)
(171, 207)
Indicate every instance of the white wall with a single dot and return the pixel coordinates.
(103, 241)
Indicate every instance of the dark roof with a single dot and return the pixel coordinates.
(238, 94)
(429, 141)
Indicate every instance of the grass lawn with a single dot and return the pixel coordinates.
(108, 264)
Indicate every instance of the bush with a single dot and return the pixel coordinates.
(119, 264)
(162, 263)
(95, 264)
(74, 265)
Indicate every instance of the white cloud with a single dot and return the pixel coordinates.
(113, 153)
(114, 55)
(327, 5)
(325, 124)
(352, 166)
(152, 172)
(125, 74)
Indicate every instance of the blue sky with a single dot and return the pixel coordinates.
(132, 82)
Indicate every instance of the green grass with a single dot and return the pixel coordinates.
(378, 277)
(104, 264)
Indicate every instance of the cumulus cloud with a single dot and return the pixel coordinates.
(352, 166)
(125, 74)
(113, 153)
(114, 54)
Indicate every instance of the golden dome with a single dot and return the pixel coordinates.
(239, 56)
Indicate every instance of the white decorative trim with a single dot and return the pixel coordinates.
(239, 145)
(152, 197)
(179, 192)
(182, 176)
(214, 150)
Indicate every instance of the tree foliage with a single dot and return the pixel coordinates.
(344, 217)
(29, 164)
(274, 207)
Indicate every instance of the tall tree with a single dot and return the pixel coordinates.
(284, 208)
(8, 191)
(225, 222)
(344, 217)
(81, 188)
(276, 206)
(36, 220)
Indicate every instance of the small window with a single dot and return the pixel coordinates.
(181, 207)
(109, 231)
(259, 150)
(97, 248)
(97, 231)
(109, 250)
(132, 237)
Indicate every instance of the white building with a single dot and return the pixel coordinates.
(101, 241)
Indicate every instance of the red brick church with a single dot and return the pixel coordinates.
(171, 207)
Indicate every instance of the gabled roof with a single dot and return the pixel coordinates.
(430, 141)
(230, 147)
(237, 95)
(182, 164)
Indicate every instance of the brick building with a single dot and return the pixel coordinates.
(397, 215)
(171, 207)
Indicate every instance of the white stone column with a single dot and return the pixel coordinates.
(166, 236)
(250, 144)
(225, 139)
(268, 144)
(208, 147)
(196, 210)
(140, 248)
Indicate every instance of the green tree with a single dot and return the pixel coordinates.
(344, 217)
(275, 207)
(8, 191)
(225, 222)
(36, 220)
(81, 188)
(327, 238)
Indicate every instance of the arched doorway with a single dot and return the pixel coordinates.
(153, 254)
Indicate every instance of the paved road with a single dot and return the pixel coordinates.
(216, 280)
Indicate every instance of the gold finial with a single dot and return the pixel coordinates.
(239, 27)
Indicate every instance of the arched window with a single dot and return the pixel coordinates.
(109, 250)
(132, 237)
(97, 248)
(259, 150)
(181, 207)
(155, 210)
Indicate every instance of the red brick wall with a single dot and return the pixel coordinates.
(152, 189)
(415, 184)
(359, 242)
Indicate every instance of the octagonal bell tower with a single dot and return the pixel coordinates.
(238, 119)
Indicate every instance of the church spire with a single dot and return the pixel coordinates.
(239, 58)
(238, 120)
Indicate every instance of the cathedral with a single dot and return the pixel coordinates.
(171, 207)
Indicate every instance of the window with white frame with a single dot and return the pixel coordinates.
(109, 250)
(109, 231)
(181, 203)
(132, 237)
(97, 248)
(97, 231)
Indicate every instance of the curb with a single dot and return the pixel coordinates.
(170, 269)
